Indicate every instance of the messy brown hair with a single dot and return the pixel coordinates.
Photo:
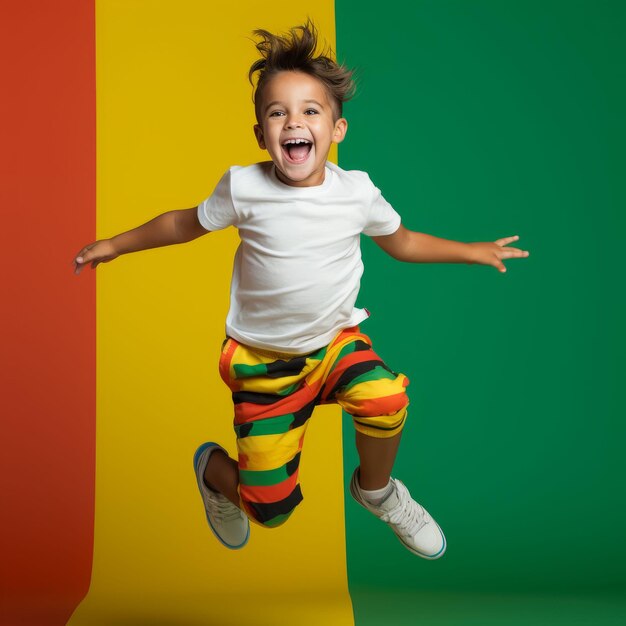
(295, 52)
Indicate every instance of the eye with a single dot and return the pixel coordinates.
(276, 113)
(310, 112)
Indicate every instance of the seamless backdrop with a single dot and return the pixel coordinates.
(477, 120)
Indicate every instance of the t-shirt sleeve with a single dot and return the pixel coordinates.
(218, 210)
(382, 218)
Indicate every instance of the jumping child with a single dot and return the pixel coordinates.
(293, 339)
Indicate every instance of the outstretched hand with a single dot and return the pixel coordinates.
(101, 251)
(487, 253)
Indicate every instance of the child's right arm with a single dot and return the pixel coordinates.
(164, 230)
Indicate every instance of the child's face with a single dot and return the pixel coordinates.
(296, 106)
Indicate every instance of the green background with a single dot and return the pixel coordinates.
(480, 120)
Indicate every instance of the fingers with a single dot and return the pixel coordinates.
(78, 263)
(82, 258)
(510, 253)
(513, 253)
(506, 240)
(83, 253)
(487, 253)
(499, 265)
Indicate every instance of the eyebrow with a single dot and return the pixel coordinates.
(274, 102)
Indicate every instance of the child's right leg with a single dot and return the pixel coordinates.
(272, 407)
(227, 521)
(222, 475)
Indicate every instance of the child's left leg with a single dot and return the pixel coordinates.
(373, 488)
(377, 457)
(376, 398)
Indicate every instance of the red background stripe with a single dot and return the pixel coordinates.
(47, 446)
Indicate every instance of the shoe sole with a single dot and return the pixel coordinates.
(196, 456)
(430, 557)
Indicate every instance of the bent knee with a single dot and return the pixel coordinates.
(384, 406)
(272, 514)
(378, 408)
(372, 398)
(382, 426)
(376, 405)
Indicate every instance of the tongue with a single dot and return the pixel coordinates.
(299, 152)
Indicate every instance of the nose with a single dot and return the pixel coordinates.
(293, 121)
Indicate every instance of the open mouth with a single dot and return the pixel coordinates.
(297, 150)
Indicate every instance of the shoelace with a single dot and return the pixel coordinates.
(224, 510)
(221, 508)
(407, 515)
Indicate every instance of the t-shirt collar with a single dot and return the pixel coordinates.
(328, 176)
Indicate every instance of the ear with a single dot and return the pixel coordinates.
(340, 130)
(258, 133)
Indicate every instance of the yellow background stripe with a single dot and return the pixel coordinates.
(174, 111)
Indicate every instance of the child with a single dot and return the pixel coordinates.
(293, 340)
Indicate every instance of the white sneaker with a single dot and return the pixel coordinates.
(414, 527)
(227, 521)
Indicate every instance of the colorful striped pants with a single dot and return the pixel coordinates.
(274, 396)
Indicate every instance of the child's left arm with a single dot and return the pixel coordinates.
(412, 247)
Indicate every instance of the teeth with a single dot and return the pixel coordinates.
(296, 141)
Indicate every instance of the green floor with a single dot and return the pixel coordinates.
(405, 608)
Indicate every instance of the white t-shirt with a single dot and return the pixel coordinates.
(298, 268)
